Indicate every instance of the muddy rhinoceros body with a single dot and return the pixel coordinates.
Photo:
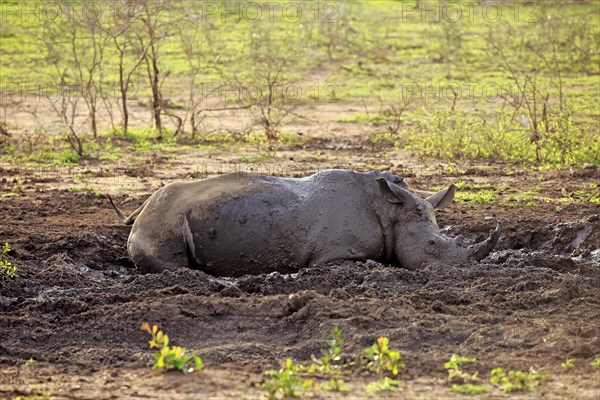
(239, 223)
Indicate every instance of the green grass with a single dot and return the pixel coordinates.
(386, 384)
(469, 192)
(468, 388)
(482, 197)
(516, 381)
(376, 53)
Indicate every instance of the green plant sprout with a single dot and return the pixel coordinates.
(168, 357)
(462, 382)
(515, 381)
(336, 385)
(285, 381)
(332, 356)
(7, 269)
(28, 363)
(382, 385)
(384, 359)
(456, 361)
(569, 363)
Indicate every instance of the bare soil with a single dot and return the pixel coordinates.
(78, 302)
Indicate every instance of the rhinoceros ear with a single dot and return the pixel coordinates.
(443, 198)
(393, 193)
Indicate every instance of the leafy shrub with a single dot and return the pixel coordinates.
(453, 135)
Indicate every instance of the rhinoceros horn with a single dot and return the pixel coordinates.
(481, 250)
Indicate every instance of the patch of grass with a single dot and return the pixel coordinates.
(462, 185)
(386, 139)
(386, 384)
(285, 382)
(515, 381)
(453, 365)
(469, 192)
(587, 194)
(68, 156)
(335, 385)
(519, 201)
(254, 159)
(134, 135)
(144, 139)
(450, 134)
(168, 357)
(462, 382)
(372, 119)
(596, 362)
(482, 197)
(292, 139)
(374, 59)
(586, 197)
(468, 388)
(289, 380)
(535, 190)
(95, 189)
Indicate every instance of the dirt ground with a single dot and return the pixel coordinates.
(78, 302)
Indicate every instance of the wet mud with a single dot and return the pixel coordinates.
(78, 302)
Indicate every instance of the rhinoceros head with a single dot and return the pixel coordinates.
(417, 237)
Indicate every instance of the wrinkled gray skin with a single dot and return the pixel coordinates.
(240, 223)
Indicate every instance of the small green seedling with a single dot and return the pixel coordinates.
(168, 357)
(384, 359)
(382, 385)
(455, 362)
(515, 380)
(285, 381)
(7, 269)
(335, 385)
(455, 374)
(462, 382)
(569, 363)
(596, 362)
(28, 363)
(330, 357)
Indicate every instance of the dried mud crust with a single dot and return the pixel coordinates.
(78, 303)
